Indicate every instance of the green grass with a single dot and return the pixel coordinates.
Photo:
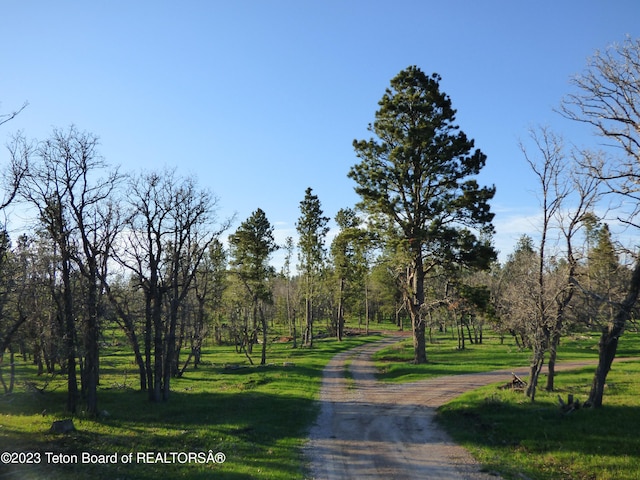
(257, 416)
(444, 358)
(519, 439)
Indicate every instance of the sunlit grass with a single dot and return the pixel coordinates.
(394, 363)
(257, 416)
(444, 358)
(520, 439)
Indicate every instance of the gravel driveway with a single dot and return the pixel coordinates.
(375, 430)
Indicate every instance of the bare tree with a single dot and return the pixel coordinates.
(208, 286)
(608, 98)
(170, 227)
(19, 152)
(584, 196)
(73, 205)
(548, 166)
(566, 196)
(47, 189)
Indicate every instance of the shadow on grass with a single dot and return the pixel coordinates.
(248, 427)
(516, 434)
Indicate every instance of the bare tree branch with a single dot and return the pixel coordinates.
(4, 118)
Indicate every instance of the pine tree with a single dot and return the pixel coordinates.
(312, 230)
(251, 247)
(418, 174)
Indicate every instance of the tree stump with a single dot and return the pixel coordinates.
(570, 405)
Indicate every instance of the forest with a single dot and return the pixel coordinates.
(147, 254)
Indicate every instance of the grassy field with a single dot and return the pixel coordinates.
(519, 440)
(257, 416)
(444, 358)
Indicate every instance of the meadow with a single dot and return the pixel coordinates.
(258, 417)
(520, 440)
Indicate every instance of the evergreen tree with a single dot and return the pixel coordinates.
(349, 261)
(418, 174)
(251, 247)
(312, 230)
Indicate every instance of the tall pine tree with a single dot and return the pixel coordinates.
(417, 174)
(312, 230)
(251, 247)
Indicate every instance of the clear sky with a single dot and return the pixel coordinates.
(262, 98)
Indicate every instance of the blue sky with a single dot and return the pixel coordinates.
(262, 99)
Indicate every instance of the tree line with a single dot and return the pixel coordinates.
(145, 251)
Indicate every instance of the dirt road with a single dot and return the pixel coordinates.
(368, 429)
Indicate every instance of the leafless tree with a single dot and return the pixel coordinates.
(565, 197)
(583, 199)
(19, 152)
(607, 98)
(547, 165)
(170, 227)
(74, 207)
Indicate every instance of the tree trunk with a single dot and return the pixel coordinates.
(416, 285)
(553, 354)
(170, 349)
(308, 331)
(128, 327)
(467, 324)
(263, 320)
(69, 335)
(534, 373)
(91, 372)
(12, 371)
(366, 308)
(419, 340)
(541, 342)
(609, 340)
(340, 311)
(155, 390)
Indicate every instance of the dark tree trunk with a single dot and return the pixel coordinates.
(70, 337)
(148, 335)
(308, 331)
(340, 311)
(541, 343)
(416, 286)
(609, 340)
(170, 350)
(90, 376)
(158, 345)
(263, 320)
(553, 354)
